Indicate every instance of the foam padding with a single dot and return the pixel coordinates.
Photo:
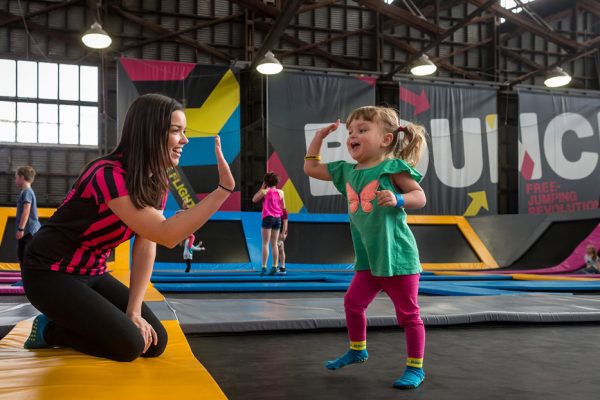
(211, 287)
(66, 374)
(451, 289)
(536, 277)
(151, 293)
(559, 286)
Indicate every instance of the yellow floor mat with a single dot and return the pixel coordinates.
(64, 374)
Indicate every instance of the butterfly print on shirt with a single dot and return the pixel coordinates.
(367, 195)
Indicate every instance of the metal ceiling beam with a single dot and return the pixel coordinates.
(272, 12)
(402, 16)
(266, 27)
(591, 6)
(331, 39)
(464, 22)
(159, 29)
(311, 7)
(506, 36)
(524, 60)
(182, 31)
(279, 26)
(441, 63)
(52, 33)
(466, 49)
(46, 10)
(532, 27)
(569, 59)
(258, 7)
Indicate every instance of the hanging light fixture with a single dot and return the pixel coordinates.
(269, 65)
(423, 66)
(96, 37)
(557, 77)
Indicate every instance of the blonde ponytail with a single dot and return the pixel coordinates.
(410, 145)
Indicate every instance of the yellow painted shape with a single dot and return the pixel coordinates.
(208, 120)
(487, 260)
(122, 251)
(459, 273)
(69, 375)
(491, 120)
(453, 266)
(536, 277)
(10, 267)
(478, 201)
(151, 293)
(293, 202)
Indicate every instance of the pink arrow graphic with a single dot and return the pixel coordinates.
(419, 101)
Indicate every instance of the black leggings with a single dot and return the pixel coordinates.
(87, 313)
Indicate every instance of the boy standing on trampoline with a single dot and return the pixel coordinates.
(378, 187)
(26, 220)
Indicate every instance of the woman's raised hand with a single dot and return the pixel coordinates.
(225, 176)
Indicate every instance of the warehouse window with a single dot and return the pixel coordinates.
(513, 5)
(48, 103)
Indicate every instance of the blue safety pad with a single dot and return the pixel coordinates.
(249, 278)
(251, 223)
(450, 289)
(174, 267)
(465, 277)
(305, 217)
(568, 286)
(251, 287)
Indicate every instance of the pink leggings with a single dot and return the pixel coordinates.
(402, 290)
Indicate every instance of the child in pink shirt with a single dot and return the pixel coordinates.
(272, 211)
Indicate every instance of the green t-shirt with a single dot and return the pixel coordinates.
(382, 240)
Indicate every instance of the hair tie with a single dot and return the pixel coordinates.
(400, 129)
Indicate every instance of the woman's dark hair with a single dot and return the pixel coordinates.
(271, 179)
(143, 148)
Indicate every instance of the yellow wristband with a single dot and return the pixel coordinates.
(315, 157)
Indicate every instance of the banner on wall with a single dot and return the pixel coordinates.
(559, 147)
(460, 166)
(211, 97)
(298, 104)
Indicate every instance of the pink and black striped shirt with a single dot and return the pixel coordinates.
(79, 237)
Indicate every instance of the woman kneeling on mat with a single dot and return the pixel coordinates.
(116, 196)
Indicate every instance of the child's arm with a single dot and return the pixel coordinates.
(314, 167)
(258, 196)
(411, 191)
(284, 219)
(22, 224)
(285, 229)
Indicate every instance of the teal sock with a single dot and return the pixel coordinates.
(350, 357)
(411, 378)
(36, 337)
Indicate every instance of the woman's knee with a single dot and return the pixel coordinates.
(128, 349)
